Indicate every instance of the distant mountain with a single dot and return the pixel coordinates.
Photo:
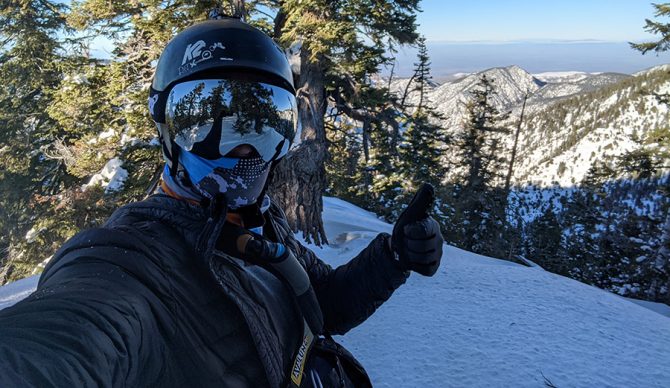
(572, 118)
(561, 87)
(449, 98)
(609, 117)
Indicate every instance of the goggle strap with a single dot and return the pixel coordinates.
(174, 159)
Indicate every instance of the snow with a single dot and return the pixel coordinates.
(107, 134)
(15, 291)
(562, 76)
(111, 177)
(482, 322)
(32, 234)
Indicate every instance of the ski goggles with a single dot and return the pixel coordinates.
(211, 117)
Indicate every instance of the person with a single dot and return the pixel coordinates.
(197, 285)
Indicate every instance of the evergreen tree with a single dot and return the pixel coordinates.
(343, 44)
(544, 242)
(345, 163)
(32, 54)
(656, 28)
(424, 139)
(479, 201)
(578, 246)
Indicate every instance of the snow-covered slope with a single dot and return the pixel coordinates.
(482, 322)
(564, 87)
(611, 136)
(563, 140)
(449, 99)
(486, 322)
(562, 76)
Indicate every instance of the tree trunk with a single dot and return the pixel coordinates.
(239, 10)
(510, 170)
(299, 180)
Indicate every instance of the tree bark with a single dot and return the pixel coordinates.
(299, 180)
(239, 9)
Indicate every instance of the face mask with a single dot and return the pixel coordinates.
(240, 180)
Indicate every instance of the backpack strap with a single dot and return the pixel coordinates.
(281, 262)
(301, 357)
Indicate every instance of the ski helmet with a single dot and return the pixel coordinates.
(219, 84)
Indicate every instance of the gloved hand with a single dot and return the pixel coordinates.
(417, 239)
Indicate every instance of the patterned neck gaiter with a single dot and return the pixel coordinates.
(241, 180)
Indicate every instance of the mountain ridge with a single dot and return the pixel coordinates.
(578, 98)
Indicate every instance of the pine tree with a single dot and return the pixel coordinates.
(343, 44)
(544, 242)
(479, 202)
(32, 52)
(424, 139)
(656, 28)
(579, 248)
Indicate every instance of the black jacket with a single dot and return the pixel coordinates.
(148, 300)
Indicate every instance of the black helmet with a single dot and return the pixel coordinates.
(226, 51)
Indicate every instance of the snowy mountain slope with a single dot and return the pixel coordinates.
(572, 119)
(449, 98)
(562, 76)
(546, 91)
(561, 142)
(555, 90)
(482, 322)
(511, 84)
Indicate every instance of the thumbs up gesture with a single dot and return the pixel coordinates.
(417, 239)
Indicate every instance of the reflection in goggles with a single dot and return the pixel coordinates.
(262, 115)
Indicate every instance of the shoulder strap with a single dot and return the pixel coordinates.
(301, 357)
(281, 262)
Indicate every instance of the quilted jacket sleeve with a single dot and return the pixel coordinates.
(91, 323)
(350, 293)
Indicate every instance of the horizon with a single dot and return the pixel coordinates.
(523, 20)
(482, 34)
(539, 37)
(448, 58)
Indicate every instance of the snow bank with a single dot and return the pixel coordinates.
(112, 177)
(15, 291)
(482, 322)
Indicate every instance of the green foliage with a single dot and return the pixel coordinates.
(424, 138)
(544, 242)
(478, 201)
(31, 57)
(656, 28)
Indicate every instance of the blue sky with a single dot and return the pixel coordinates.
(539, 36)
(523, 20)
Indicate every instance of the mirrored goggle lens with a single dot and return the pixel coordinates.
(211, 117)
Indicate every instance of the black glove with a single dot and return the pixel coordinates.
(417, 239)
